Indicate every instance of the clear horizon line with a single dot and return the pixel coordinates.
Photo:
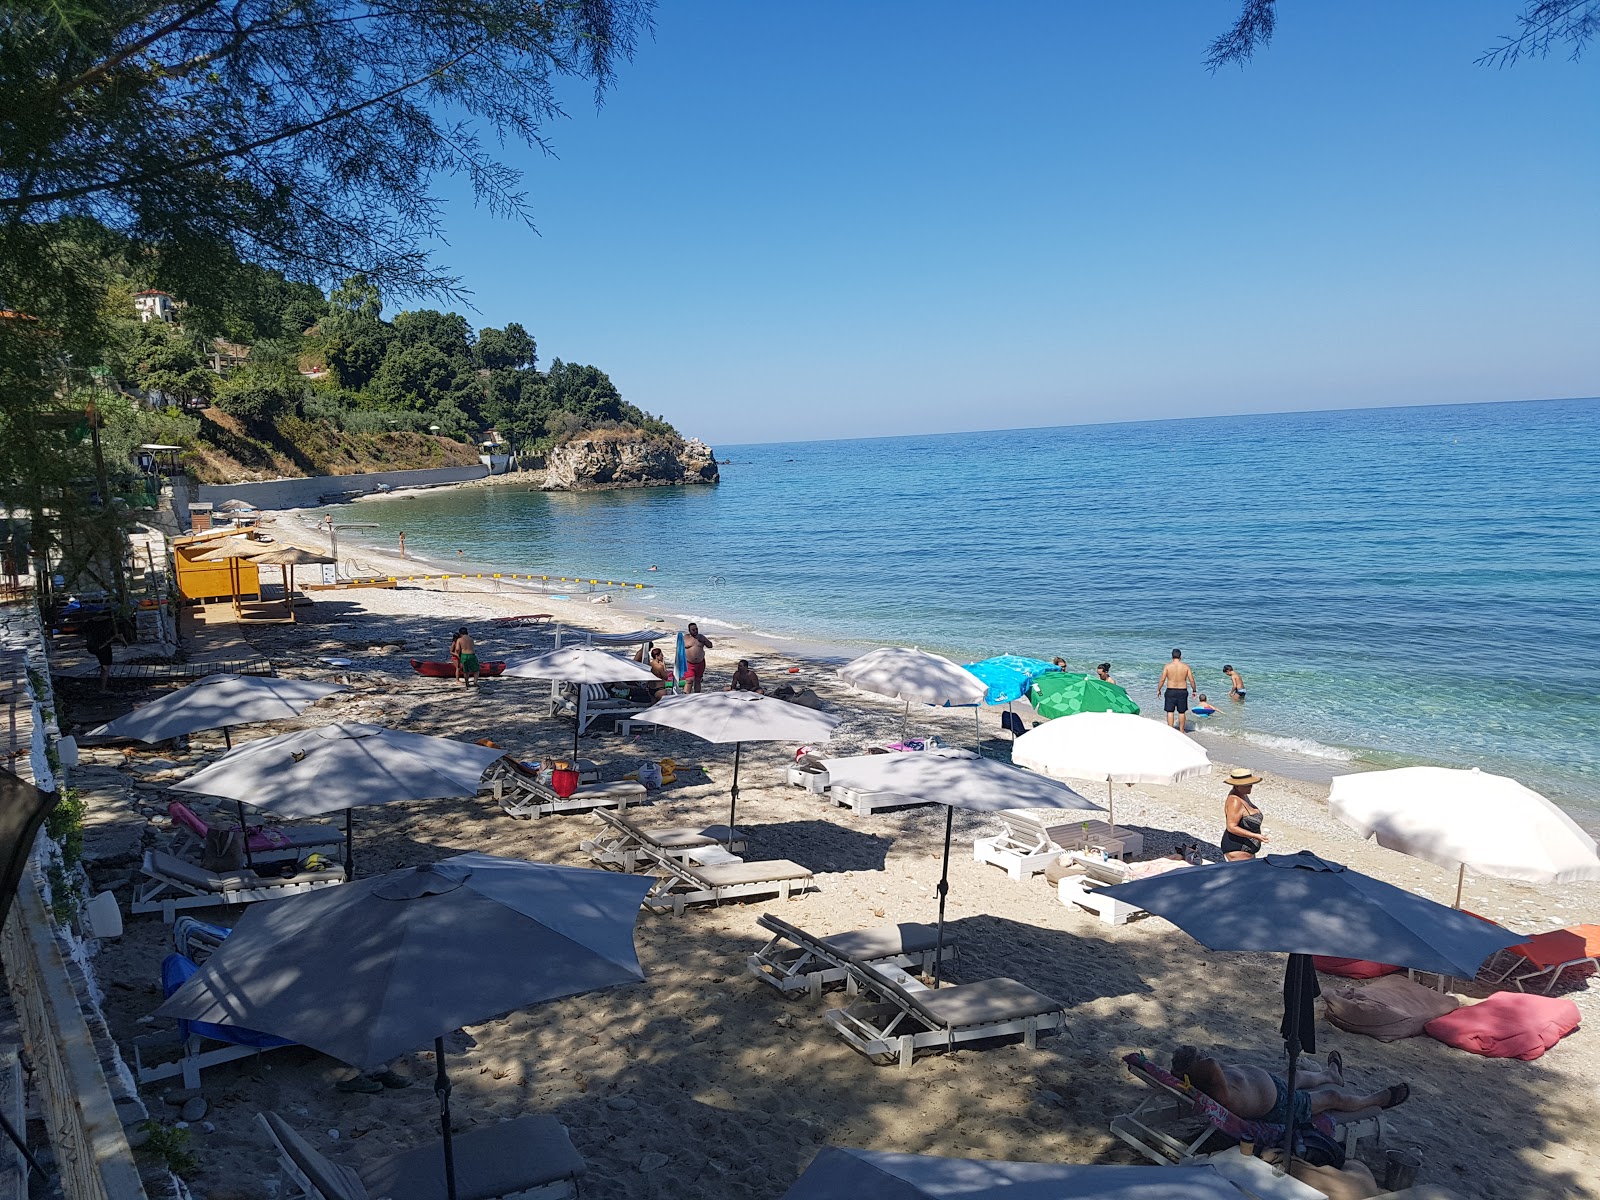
(1285, 412)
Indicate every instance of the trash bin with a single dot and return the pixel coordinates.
(1400, 1169)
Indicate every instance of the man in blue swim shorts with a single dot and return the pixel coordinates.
(1257, 1095)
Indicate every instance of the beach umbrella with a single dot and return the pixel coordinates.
(740, 717)
(288, 558)
(1008, 676)
(1115, 747)
(844, 1171)
(379, 967)
(219, 702)
(580, 665)
(1302, 905)
(310, 772)
(1066, 694)
(1466, 819)
(956, 779)
(913, 674)
(680, 663)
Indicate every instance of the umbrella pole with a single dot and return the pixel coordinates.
(733, 793)
(1295, 976)
(977, 727)
(944, 890)
(349, 849)
(244, 832)
(227, 737)
(1111, 804)
(441, 1088)
(1461, 878)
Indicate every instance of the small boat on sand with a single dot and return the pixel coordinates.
(447, 670)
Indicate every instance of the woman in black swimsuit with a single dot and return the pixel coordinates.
(1241, 835)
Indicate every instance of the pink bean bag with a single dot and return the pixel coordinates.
(1507, 1025)
(1352, 968)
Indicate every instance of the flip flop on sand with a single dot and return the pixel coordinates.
(1336, 1064)
(1395, 1095)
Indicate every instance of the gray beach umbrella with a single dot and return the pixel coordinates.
(379, 967)
(580, 665)
(1302, 905)
(955, 779)
(741, 717)
(219, 702)
(910, 674)
(839, 1171)
(340, 766)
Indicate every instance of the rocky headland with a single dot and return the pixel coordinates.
(600, 460)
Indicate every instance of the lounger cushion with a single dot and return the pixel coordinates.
(768, 871)
(865, 945)
(686, 837)
(1507, 1025)
(491, 1160)
(983, 1003)
(622, 787)
(168, 867)
(334, 1181)
(1352, 968)
(1388, 1009)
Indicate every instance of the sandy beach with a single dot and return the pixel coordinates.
(702, 1082)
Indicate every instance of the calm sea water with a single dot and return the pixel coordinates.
(1410, 584)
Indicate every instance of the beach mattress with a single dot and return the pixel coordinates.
(891, 941)
(1507, 1025)
(1388, 1009)
(1352, 968)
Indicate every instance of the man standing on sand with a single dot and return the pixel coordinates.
(695, 645)
(465, 652)
(1176, 685)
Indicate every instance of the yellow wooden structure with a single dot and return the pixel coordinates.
(220, 579)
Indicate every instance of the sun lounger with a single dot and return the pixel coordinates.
(1539, 963)
(908, 1016)
(1089, 873)
(529, 1158)
(795, 962)
(522, 794)
(1030, 839)
(202, 1043)
(596, 702)
(268, 844)
(619, 843)
(171, 884)
(680, 884)
(1174, 1124)
(197, 940)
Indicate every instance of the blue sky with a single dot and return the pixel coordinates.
(846, 219)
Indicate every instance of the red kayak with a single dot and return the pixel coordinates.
(447, 670)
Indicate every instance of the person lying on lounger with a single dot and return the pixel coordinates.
(1257, 1095)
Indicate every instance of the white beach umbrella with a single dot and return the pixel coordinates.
(313, 771)
(1115, 747)
(912, 674)
(740, 717)
(580, 665)
(956, 779)
(1466, 819)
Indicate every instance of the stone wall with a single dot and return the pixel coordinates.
(603, 461)
(308, 493)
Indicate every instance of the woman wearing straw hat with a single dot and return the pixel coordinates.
(1241, 835)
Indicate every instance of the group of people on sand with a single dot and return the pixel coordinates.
(1178, 683)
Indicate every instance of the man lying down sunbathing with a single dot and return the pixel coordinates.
(1257, 1095)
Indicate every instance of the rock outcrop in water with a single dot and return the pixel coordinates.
(611, 460)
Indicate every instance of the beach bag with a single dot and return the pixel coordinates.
(564, 780)
(1317, 1148)
(223, 852)
(650, 776)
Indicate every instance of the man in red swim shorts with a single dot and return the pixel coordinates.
(695, 645)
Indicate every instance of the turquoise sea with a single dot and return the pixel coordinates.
(1396, 585)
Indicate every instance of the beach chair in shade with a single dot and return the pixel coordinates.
(197, 940)
(1174, 1124)
(526, 1158)
(907, 1016)
(796, 963)
(201, 1043)
(171, 883)
(619, 842)
(521, 793)
(268, 844)
(1086, 874)
(1539, 963)
(716, 878)
(595, 702)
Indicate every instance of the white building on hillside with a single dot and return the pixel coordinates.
(152, 305)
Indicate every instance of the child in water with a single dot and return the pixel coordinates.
(1203, 707)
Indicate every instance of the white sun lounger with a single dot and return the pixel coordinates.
(171, 884)
(795, 962)
(680, 884)
(909, 1016)
(526, 797)
(1090, 874)
(867, 803)
(619, 843)
(528, 1158)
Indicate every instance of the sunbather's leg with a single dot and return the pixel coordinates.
(1338, 1099)
(1309, 1077)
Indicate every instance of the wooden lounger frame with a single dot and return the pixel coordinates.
(620, 845)
(680, 884)
(895, 1029)
(521, 795)
(797, 963)
(162, 893)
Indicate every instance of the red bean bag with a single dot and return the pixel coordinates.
(1507, 1025)
(1352, 968)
